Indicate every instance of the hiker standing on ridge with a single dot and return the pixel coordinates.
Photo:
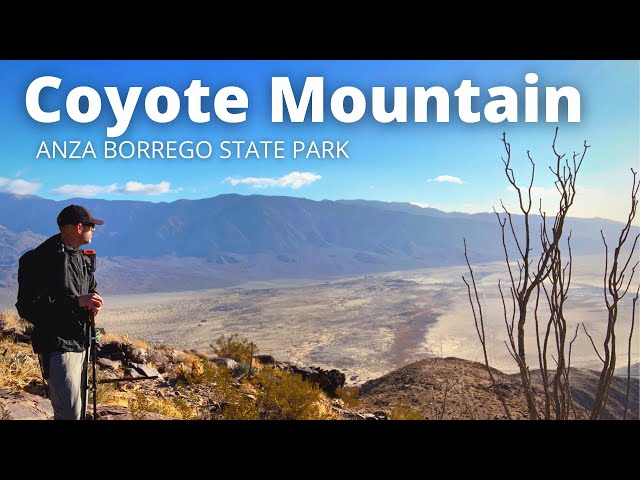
(57, 294)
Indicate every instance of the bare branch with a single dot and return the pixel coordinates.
(479, 323)
(606, 269)
(633, 321)
(549, 268)
(575, 335)
(614, 292)
(592, 343)
(626, 289)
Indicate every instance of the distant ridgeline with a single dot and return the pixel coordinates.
(275, 235)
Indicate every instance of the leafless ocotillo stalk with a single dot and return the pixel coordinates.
(617, 280)
(478, 318)
(532, 272)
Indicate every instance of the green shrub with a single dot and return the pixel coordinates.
(235, 404)
(241, 369)
(238, 406)
(240, 350)
(286, 396)
(202, 371)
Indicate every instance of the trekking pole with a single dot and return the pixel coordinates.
(85, 371)
(94, 345)
(91, 331)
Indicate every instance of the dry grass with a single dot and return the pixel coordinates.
(348, 395)
(10, 319)
(19, 366)
(110, 337)
(186, 358)
(403, 412)
(175, 407)
(111, 393)
(139, 344)
(325, 412)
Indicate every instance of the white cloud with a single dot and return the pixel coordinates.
(420, 204)
(83, 190)
(129, 187)
(147, 188)
(19, 186)
(294, 180)
(446, 178)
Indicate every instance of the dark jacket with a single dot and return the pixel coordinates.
(50, 279)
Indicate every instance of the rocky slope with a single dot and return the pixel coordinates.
(452, 388)
(433, 389)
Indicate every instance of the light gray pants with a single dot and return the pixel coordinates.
(67, 380)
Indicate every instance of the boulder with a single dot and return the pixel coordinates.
(107, 364)
(265, 359)
(146, 370)
(135, 354)
(24, 406)
(327, 380)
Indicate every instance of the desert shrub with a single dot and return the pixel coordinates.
(403, 412)
(241, 369)
(192, 374)
(348, 395)
(286, 396)
(201, 371)
(175, 407)
(235, 404)
(238, 349)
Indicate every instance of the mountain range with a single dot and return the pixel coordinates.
(223, 240)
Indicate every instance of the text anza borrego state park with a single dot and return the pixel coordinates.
(231, 104)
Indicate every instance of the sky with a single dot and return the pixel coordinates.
(452, 166)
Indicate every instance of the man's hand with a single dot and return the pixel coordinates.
(91, 301)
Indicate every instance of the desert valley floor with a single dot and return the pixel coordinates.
(364, 326)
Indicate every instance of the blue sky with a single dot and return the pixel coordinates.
(450, 166)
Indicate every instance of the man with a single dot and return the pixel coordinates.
(57, 294)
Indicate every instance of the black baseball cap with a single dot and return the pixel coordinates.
(74, 214)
